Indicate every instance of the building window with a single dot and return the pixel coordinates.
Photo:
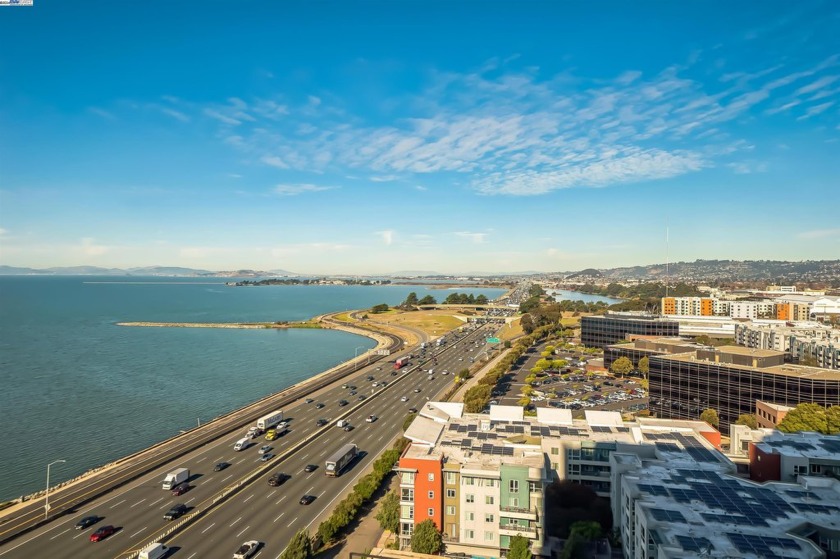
(514, 486)
(816, 468)
(470, 498)
(431, 512)
(407, 494)
(533, 487)
(488, 518)
(450, 510)
(488, 536)
(408, 478)
(555, 465)
(450, 493)
(431, 495)
(450, 478)
(514, 502)
(470, 516)
(468, 480)
(555, 451)
(800, 470)
(431, 477)
(469, 534)
(488, 499)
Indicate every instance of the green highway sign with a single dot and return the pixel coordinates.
(493, 340)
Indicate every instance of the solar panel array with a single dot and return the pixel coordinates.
(664, 515)
(700, 545)
(762, 545)
(729, 500)
(653, 489)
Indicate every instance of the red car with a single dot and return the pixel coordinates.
(102, 533)
(181, 488)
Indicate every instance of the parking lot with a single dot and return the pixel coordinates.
(571, 388)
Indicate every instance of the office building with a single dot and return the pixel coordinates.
(603, 330)
(730, 379)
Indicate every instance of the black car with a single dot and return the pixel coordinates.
(362, 396)
(307, 499)
(412, 410)
(278, 479)
(319, 405)
(220, 466)
(309, 468)
(309, 401)
(352, 387)
(175, 512)
(321, 422)
(86, 521)
(393, 373)
(370, 377)
(342, 403)
(348, 428)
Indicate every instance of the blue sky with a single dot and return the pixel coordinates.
(373, 137)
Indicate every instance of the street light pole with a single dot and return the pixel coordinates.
(47, 492)
(356, 354)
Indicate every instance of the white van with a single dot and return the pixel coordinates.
(342, 423)
(431, 371)
(242, 444)
(154, 551)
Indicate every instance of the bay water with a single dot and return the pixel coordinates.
(566, 295)
(75, 386)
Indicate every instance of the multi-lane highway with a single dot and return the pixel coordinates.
(259, 511)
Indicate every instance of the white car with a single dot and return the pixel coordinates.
(371, 418)
(264, 448)
(246, 550)
(404, 399)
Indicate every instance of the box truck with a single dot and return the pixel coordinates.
(153, 551)
(341, 459)
(242, 444)
(175, 477)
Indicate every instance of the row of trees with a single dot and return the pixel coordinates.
(465, 299)
(411, 301)
(804, 417)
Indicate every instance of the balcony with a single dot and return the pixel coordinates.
(519, 512)
(515, 530)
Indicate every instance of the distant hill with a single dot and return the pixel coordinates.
(780, 271)
(589, 273)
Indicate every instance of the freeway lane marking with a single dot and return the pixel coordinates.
(235, 521)
(202, 458)
(289, 525)
(304, 457)
(271, 494)
(249, 498)
(380, 438)
(164, 505)
(156, 502)
(208, 527)
(322, 493)
(227, 478)
(116, 504)
(191, 500)
(137, 503)
(138, 531)
(193, 555)
(64, 532)
(281, 498)
(309, 491)
(279, 517)
(243, 531)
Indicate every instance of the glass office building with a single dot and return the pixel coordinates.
(601, 331)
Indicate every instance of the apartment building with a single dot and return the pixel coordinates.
(768, 415)
(781, 456)
(679, 506)
(694, 306)
(806, 341)
(488, 473)
(730, 379)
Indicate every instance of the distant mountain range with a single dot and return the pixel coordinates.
(164, 271)
(720, 270)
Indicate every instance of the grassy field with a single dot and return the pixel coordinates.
(433, 323)
(511, 331)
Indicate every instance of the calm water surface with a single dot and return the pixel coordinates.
(77, 387)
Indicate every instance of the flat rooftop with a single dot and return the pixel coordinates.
(704, 512)
(805, 445)
(798, 371)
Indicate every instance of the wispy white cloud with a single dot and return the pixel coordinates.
(102, 113)
(519, 133)
(819, 234)
(295, 189)
(477, 238)
(387, 236)
(89, 247)
(747, 167)
(177, 115)
(420, 187)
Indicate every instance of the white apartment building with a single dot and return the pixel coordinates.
(804, 341)
(752, 309)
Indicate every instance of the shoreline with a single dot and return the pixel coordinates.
(325, 322)
(246, 325)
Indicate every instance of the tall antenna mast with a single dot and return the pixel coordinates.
(667, 272)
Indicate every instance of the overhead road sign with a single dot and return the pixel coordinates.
(493, 340)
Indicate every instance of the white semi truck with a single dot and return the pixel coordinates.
(266, 422)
